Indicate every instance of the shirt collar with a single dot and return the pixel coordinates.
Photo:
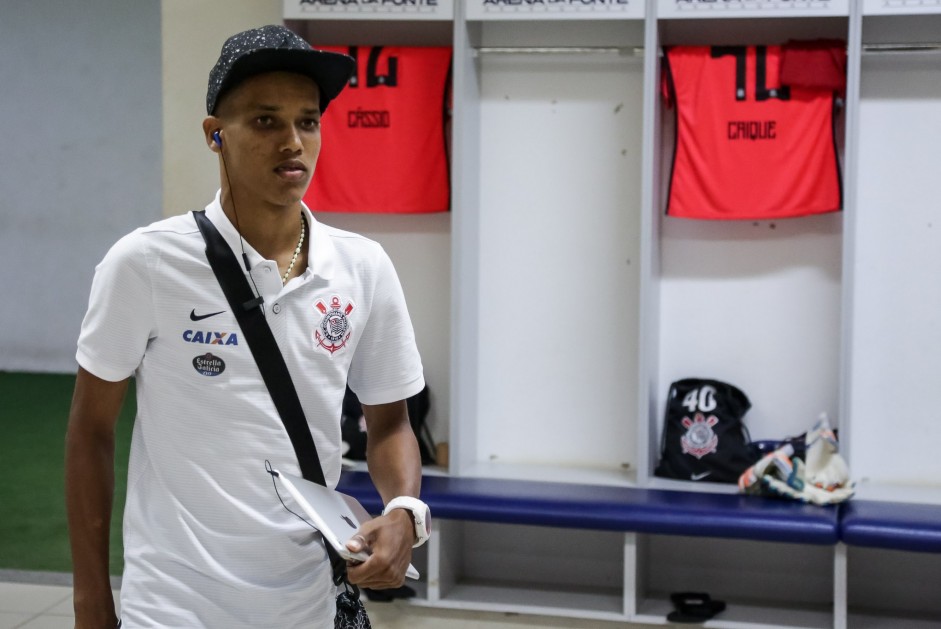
(320, 249)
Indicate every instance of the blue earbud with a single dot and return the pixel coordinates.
(215, 136)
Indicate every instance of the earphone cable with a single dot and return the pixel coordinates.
(238, 228)
(271, 471)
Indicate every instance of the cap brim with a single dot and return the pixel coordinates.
(329, 70)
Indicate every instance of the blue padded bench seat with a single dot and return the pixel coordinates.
(894, 525)
(614, 508)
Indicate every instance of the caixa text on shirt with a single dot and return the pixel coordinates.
(211, 338)
(208, 365)
(370, 3)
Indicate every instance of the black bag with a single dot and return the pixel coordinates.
(704, 438)
(353, 429)
(350, 613)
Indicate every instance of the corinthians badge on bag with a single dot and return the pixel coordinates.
(699, 439)
(334, 330)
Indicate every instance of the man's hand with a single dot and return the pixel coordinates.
(395, 468)
(389, 539)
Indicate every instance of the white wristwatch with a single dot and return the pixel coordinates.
(421, 516)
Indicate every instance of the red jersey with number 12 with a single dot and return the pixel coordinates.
(384, 137)
(746, 146)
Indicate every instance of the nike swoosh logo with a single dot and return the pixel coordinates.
(699, 476)
(196, 317)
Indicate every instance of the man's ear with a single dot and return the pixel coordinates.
(212, 125)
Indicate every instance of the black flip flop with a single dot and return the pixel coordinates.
(694, 607)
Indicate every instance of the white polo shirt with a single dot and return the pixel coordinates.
(207, 542)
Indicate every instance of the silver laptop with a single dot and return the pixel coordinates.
(334, 514)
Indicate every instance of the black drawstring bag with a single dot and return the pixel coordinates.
(350, 613)
(353, 429)
(704, 437)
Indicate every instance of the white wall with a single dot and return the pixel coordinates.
(896, 337)
(193, 34)
(79, 160)
(559, 215)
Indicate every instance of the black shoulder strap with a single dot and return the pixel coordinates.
(264, 348)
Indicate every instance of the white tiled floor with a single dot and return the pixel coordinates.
(34, 606)
(29, 606)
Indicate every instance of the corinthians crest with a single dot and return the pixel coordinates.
(334, 330)
(699, 439)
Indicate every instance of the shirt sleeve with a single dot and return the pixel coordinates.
(120, 317)
(386, 366)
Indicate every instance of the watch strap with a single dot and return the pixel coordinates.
(421, 516)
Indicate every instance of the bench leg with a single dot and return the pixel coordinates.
(840, 603)
(631, 575)
(433, 577)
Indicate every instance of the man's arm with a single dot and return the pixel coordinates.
(89, 494)
(395, 468)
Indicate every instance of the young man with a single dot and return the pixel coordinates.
(207, 541)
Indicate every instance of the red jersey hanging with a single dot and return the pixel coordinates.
(746, 146)
(384, 137)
